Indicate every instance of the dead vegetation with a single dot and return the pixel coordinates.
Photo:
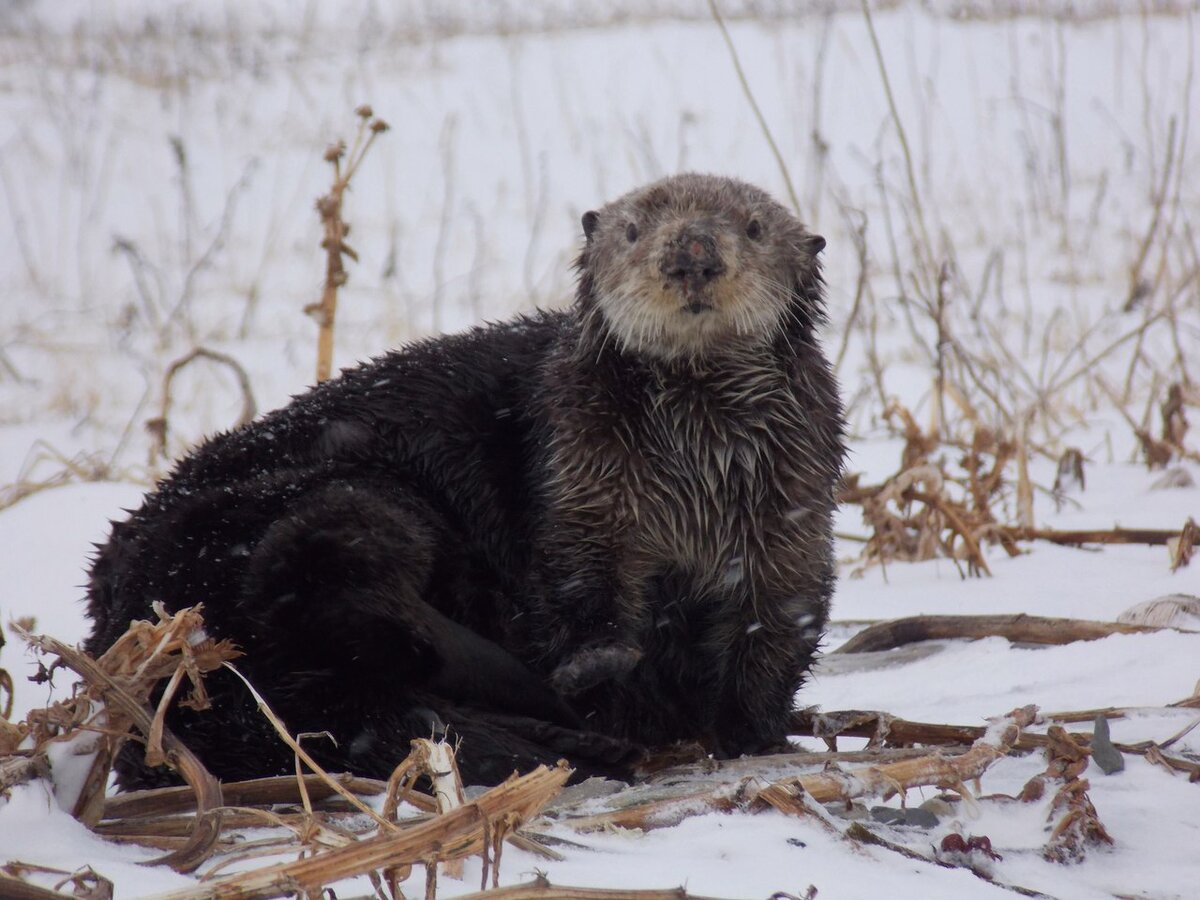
(320, 829)
(336, 229)
(952, 499)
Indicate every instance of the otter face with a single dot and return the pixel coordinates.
(696, 265)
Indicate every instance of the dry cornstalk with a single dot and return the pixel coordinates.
(460, 833)
(85, 883)
(116, 689)
(256, 792)
(1017, 627)
(16, 770)
(436, 761)
(335, 229)
(900, 735)
(824, 787)
(541, 889)
(999, 738)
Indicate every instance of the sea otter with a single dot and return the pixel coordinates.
(577, 533)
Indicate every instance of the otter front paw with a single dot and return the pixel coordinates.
(592, 665)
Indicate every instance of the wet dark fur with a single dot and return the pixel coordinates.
(550, 538)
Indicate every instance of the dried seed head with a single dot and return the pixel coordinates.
(379, 126)
(364, 111)
(334, 152)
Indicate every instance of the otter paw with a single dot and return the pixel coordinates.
(592, 665)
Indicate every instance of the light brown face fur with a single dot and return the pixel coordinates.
(695, 266)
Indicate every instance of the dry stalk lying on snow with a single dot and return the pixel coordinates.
(475, 827)
(1016, 627)
(541, 889)
(321, 817)
(823, 787)
(336, 229)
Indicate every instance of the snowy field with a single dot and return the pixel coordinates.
(1022, 229)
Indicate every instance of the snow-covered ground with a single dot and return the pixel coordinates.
(158, 164)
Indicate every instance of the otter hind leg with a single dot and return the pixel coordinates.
(344, 579)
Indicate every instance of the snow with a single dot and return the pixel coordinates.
(469, 209)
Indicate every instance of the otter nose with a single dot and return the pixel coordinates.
(692, 258)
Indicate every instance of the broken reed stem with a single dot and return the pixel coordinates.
(1138, 289)
(335, 229)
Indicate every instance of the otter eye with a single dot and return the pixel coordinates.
(754, 230)
(631, 232)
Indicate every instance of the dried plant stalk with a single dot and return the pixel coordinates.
(1078, 825)
(541, 889)
(158, 426)
(258, 791)
(458, 834)
(1017, 627)
(116, 688)
(824, 787)
(335, 229)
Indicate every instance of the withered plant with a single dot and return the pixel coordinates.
(335, 229)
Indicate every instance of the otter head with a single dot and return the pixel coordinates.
(697, 266)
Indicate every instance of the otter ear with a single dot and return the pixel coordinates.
(590, 219)
(814, 244)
